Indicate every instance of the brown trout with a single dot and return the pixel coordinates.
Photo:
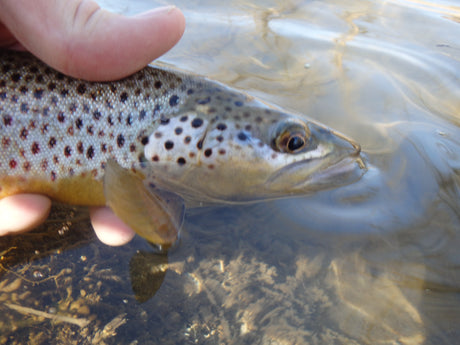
(137, 143)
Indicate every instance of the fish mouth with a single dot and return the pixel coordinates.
(339, 163)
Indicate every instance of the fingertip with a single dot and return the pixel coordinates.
(109, 228)
(122, 44)
(22, 212)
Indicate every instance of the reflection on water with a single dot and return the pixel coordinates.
(375, 262)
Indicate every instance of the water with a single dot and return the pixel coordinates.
(375, 262)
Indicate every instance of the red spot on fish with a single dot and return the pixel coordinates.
(13, 164)
(6, 142)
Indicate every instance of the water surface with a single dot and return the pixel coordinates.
(375, 262)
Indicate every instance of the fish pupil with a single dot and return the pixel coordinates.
(295, 143)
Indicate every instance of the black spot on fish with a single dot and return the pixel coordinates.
(13, 164)
(183, 118)
(173, 100)
(158, 84)
(79, 123)
(7, 120)
(39, 79)
(187, 139)
(120, 140)
(51, 86)
(2, 95)
(169, 145)
(23, 90)
(164, 121)
(81, 89)
(190, 91)
(181, 161)
(145, 140)
(221, 127)
(67, 151)
(239, 103)
(197, 122)
(24, 108)
(208, 152)
(142, 114)
(72, 107)
(199, 144)
(242, 136)
(64, 92)
(53, 176)
(158, 135)
(90, 152)
(220, 138)
(204, 100)
(35, 148)
(155, 158)
(129, 120)
(222, 151)
(97, 115)
(15, 77)
(123, 97)
(24, 134)
(52, 142)
(178, 130)
(90, 129)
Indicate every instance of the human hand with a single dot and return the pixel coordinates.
(82, 40)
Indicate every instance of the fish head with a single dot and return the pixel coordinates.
(253, 154)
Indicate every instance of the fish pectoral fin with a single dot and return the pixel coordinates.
(155, 217)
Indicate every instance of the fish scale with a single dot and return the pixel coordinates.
(137, 143)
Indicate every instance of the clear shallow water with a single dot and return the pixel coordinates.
(375, 262)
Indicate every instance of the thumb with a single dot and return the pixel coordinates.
(80, 39)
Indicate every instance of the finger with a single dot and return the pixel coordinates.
(109, 228)
(22, 212)
(79, 38)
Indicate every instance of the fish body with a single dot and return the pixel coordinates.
(170, 131)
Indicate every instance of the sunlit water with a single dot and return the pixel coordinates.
(375, 262)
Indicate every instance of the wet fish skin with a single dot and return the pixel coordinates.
(177, 132)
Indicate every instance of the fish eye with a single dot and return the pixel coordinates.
(291, 138)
